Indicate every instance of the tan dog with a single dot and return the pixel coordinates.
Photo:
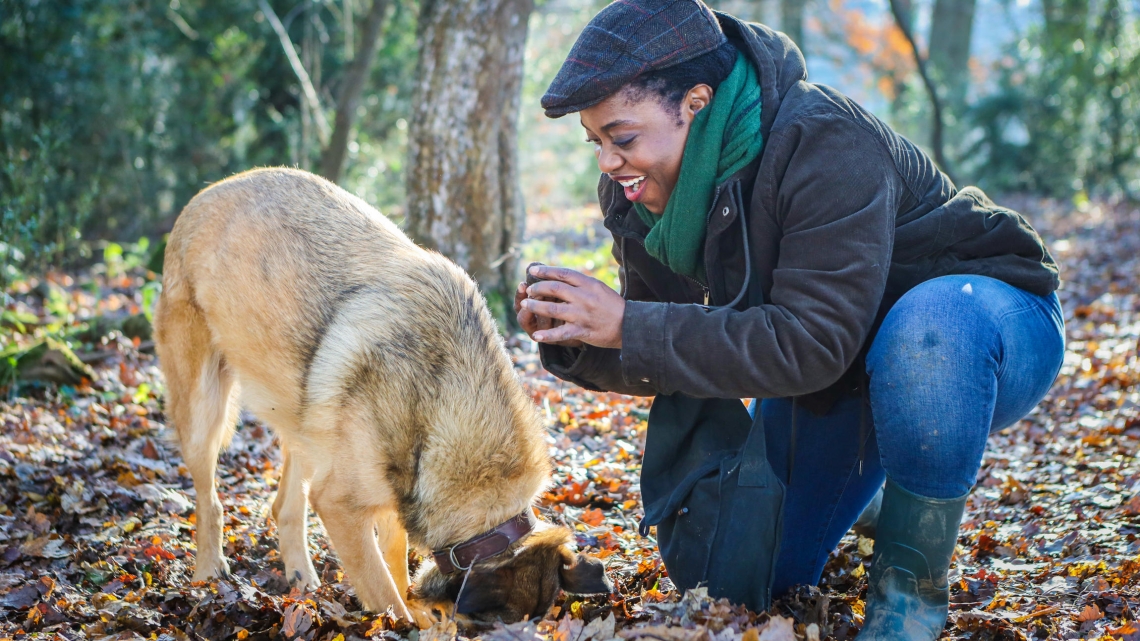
(380, 369)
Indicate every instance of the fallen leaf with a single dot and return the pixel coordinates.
(593, 518)
(667, 633)
(778, 629)
(1090, 613)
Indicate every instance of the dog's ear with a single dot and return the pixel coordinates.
(485, 591)
(585, 576)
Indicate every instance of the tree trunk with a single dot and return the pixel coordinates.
(951, 27)
(463, 190)
(332, 159)
(792, 20)
(900, 9)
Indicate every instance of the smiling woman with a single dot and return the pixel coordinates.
(777, 241)
(639, 133)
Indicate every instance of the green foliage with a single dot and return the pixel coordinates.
(114, 113)
(43, 201)
(1065, 117)
(117, 260)
(150, 293)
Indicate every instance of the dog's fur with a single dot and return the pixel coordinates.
(380, 369)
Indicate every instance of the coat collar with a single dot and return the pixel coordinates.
(621, 220)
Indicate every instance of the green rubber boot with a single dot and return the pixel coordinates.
(907, 597)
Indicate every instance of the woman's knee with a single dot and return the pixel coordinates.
(947, 322)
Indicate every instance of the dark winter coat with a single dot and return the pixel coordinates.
(843, 217)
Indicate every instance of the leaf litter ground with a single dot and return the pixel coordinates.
(97, 518)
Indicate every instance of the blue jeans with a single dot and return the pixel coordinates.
(955, 359)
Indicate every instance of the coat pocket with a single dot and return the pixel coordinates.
(717, 504)
(687, 525)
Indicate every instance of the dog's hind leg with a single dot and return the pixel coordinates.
(291, 511)
(201, 404)
(351, 529)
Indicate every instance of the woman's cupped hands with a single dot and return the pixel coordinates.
(569, 308)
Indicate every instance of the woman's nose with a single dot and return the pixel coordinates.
(608, 161)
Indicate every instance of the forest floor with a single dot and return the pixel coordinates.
(96, 518)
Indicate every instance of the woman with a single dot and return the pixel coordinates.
(724, 169)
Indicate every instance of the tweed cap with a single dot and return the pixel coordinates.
(626, 39)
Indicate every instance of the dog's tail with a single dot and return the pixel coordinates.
(201, 390)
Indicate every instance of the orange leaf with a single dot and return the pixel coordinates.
(593, 517)
(576, 494)
(1090, 613)
(1124, 630)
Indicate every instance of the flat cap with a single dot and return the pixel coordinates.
(626, 39)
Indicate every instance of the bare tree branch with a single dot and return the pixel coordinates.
(902, 19)
(352, 85)
(792, 20)
(311, 97)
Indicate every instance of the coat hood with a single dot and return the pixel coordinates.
(778, 60)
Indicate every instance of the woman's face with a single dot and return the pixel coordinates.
(639, 141)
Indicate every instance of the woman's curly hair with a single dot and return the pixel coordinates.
(669, 85)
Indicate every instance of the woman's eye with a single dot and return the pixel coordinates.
(625, 142)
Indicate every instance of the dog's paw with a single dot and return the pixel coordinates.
(205, 570)
(424, 615)
(399, 609)
(304, 579)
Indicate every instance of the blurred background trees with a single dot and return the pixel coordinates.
(113, 113)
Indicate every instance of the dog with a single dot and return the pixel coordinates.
(381, 371)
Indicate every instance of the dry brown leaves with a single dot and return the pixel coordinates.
(96, 512)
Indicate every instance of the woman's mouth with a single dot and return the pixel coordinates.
(634, 188)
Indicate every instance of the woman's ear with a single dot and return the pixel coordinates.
(696, 99)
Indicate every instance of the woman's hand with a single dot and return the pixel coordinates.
(532, 323)
(590, 311)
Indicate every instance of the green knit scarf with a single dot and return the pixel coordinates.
(723, 138)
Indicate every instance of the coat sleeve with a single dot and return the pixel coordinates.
(835, 199)
(599, 368)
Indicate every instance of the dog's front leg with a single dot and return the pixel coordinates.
(394, 547)
(290, 512)
(351, 529)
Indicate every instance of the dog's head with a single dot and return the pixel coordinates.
(517, 584)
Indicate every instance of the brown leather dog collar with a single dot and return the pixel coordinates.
(461, 556)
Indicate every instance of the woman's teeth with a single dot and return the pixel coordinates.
(631, 183)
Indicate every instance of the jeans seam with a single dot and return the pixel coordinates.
(836, 499)
(834, 507)
(1001, 338)
(1019, 310)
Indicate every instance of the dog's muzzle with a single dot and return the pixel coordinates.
(461, 556)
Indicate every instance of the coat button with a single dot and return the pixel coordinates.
(725, 212)
(683, 511)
